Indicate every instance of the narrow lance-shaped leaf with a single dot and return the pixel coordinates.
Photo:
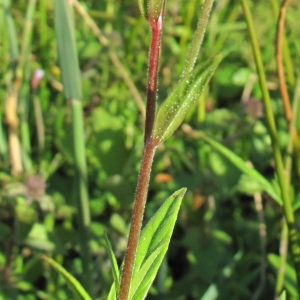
(147, 272)
(172, 111)
(73, 283)
(113, 261)
(153, 244)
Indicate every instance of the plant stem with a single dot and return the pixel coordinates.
(12, 101)
(280, 69)
(137, 218)
(283, 256)
(156, 30)
(289, 68)
(147, 158)
(284, 186)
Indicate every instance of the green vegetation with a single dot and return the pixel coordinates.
(218, 129)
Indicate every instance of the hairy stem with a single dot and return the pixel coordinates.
(137, 218)
(156, 30)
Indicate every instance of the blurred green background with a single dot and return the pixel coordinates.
(216, 251)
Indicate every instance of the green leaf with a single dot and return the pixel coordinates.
(145, 276)
(143, 8)
(67, 51)
(112, 293)
(151, 9)
(153, 244)
(172, 111)
(283, 295)
(290, 279)
(73, 283)
(211, 293)
(114, 264)
(245, 168)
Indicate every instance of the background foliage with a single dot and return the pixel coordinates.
(217, 251)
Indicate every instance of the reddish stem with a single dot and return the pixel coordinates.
(147, 158)
(156, 30)
(137, 218)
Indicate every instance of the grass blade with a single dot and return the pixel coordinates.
(245, 168)
(64, 25)
(73, 283)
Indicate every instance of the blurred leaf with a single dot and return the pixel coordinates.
(211, 293)
(106, 146)
(38, 238)
(220, 118)
(283, 295)
(172, 111)
(222, 236)
(241, 77)
(11, 32)
(97, 206)
(113, 261)
(26, 216)
(226, 175)
(73, 283)
(118, 223)
(153, 244)
(245, 168)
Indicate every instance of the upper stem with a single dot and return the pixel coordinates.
(156, 30)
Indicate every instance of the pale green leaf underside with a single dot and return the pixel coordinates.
(172, 111)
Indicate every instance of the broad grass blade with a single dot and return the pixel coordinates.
(67, 52)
